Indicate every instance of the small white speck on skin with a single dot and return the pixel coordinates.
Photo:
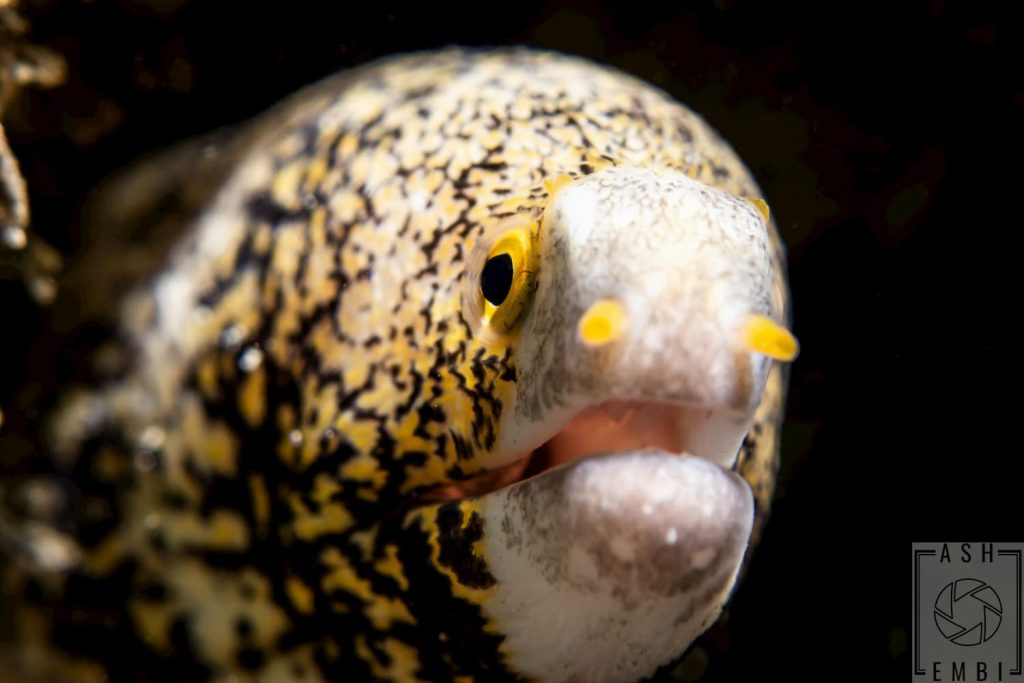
(51, 550)
(15, 238)
(295, 438)
(151, 521)
(250, 359)
(417, 201)
(232, 335)
(43, 289)
(174, 295)
(671, 536)
(152, 438)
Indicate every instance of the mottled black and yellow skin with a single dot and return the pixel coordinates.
(302, 371)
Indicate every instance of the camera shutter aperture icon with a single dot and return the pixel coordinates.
(968, 612)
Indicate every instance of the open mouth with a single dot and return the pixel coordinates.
(611, 427)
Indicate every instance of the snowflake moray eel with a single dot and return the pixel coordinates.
(469, 365)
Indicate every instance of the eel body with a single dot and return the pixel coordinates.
(462, 365)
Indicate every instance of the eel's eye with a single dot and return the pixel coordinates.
(505, 268)
(496, 279)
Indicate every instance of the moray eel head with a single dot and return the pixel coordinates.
(466, 366)
(638, 310)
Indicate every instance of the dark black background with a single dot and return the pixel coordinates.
(886, 139)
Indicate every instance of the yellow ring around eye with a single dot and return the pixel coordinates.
(520, 243)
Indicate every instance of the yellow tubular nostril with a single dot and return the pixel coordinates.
(765, 336)
(603, 322)
(762, 208)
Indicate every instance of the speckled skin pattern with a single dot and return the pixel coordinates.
(302, 371)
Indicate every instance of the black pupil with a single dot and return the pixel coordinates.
(496, 279)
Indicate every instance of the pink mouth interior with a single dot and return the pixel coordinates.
(609, 428)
